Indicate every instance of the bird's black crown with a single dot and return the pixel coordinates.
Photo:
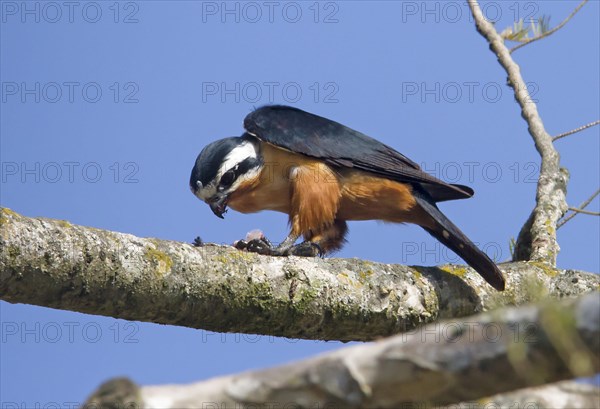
(210, 159)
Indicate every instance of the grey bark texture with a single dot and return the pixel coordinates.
(440, 364)
(561, 395)
(122, 393)
(55, 264)
(537, 239)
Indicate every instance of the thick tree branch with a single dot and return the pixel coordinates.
(560, 395)
(537, 239)
(439, 364)
(121, 393)
(56, 264)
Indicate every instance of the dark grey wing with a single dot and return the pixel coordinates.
(302, 132)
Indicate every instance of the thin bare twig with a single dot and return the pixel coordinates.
(571, 132)
(577, 210)
(549, 32)
(535, 240)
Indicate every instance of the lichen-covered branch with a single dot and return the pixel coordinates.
(121, 393)
(537, 239)
(56, 264)
(439, 364)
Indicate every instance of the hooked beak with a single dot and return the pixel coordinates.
(218, 205)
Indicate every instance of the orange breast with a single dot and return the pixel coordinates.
(271, 190)
(317, 194)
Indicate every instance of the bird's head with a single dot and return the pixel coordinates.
(221, 168)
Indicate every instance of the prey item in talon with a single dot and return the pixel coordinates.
(323, 174)
(254, 235)
(249, 242)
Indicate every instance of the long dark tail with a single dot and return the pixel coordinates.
(448, 234)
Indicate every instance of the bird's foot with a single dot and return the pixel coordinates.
(306, 249)
(263, 246)
(255, 242)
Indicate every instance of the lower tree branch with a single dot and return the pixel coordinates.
(122, 393)
(560, 395)
(56, 264)
(537, 239)
(439, 364)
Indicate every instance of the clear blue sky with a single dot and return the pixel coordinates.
(105, 106)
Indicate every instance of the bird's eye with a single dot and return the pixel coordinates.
(227, 179)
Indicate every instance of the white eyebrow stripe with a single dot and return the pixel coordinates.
(236, 156)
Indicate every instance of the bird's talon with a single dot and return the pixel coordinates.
(306, 249)
(240, 244)
(260, 246)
